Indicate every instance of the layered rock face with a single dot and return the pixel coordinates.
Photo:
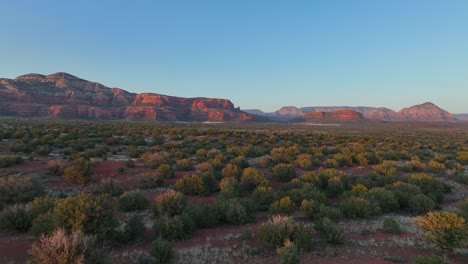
(336, 116)
(64, 95)
(425, 112)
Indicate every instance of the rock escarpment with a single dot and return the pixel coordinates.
(66, 96)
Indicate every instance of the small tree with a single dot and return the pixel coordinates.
(445, 229)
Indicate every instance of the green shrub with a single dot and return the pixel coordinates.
(205, 167)
(404, 192)
(234, 211)
(162, 251)
(204, 215)
(421, 204)
(335, 186)
(359, 190)
(387, 168)
(7, 161)
(445, 229)
(173, 228)
(86, 213)
(436, 167)
(165, 171)
(280, 228)
(284, 206)
(153, 160)
(108, 186)
(385, 199)
(61, 247)
(289, 253)
(41, 205)
(264, 196)
(251, 178)
(191, 184)
(18, 189)
(171, 203)
(17, 217)
(358, 207)
(44, 224)
(131, 229)
(284, 172)
(429, 185)
(304, 161)
(132, 201)
(332, 233)
(391, 226)
(150, 180)
(462, 208)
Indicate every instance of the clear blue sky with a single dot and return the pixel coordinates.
(260, 54)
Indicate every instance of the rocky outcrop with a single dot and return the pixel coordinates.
(336, 116)
(423, 112)
(67, 96)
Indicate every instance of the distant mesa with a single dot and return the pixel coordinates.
(66, 96)
(423, 112)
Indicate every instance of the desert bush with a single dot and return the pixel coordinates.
(284, 172)
(108, 186)
(132, 201)
(56, 167)
(265, 161)
(154, 160)
(421, 204)
(7, 161)
(191, 184)
(18, 188)
(332, 233)
(241, 162)
(304, 161)
(150, 180)
(229, 187)
(361, 159)
(385, 199)
(436, 167)
(60, 247)
(387, 168)
(205, 167)
(445, 229)
(235, 211)
(428, 184)
(162, 251)
(359, 207)
(79, 172)
(264, 196)
(41, 205)
(359, 190)
(251, 178)
(330, 163)
(462, 208)
(312, 178)
(280, 228)
(335, 186)
(283, 206)
(289, 253)
(204, 215)
(184, 164)
(130, 230)
(171, 203)
(173, 228)
(231, 170)
(404, 192)
(391, 226)
(310, 209)
(44, 224)
(414, 165)
(86, 213)
(17, 217)
(343, 159)
(165, 171)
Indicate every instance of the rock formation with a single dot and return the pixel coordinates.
(64, 95)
